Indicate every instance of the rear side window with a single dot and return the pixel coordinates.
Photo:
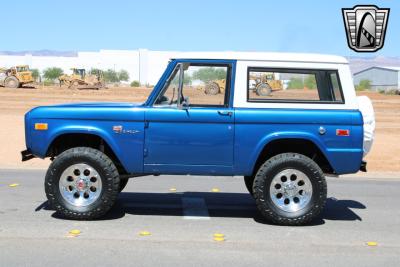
(293, 85)
(337, 91)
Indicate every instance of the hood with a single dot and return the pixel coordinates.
(99, 105)
(92, 110)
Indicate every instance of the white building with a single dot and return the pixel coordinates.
(142, 65)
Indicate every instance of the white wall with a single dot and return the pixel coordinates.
(143, 65)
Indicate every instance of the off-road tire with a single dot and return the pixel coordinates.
(109, 177)
(263, 89)
(248, 181)
(122, 184)
(11, 82)
(212, 88)
(263, 179)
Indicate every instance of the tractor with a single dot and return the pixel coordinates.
(264, 83)
(80, 80)
(215, 87)
(15, 77)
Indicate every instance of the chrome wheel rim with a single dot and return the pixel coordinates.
(291, 190)
(80, 185)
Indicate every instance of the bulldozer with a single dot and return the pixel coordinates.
(80, 80)
(265, 83)
(15, 77)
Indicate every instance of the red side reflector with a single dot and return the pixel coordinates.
(342, 132)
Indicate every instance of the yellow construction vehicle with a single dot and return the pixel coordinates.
(215, 87)
(80, 80)
(264, 83)
(15, 77)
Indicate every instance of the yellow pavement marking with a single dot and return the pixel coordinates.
(144, 233)
(372, 243)
(13, 185)
(219, 237)
(74, 233)
(173, 189)
(215, 190)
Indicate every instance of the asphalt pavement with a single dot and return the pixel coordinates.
(171, 221)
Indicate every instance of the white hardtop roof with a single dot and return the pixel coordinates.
(264, 56)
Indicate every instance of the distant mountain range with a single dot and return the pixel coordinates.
(356, 63)
(360, 63)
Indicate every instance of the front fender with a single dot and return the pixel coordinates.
(83, 129)
(128, 147)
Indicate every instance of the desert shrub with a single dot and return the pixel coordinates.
(35, 74)
(135, 84)
(295, 83)
(207, 74)
(310, 82)
(48, 82)
(110, 76)
(123, 75)
(363, 85)
(52, 73)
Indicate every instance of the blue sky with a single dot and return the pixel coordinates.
(205, 25)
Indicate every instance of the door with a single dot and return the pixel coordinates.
(190, 125)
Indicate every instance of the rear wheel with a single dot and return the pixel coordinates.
(11, 82)
(82, 183)
(290, 189)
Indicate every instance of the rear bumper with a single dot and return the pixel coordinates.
(27, 155)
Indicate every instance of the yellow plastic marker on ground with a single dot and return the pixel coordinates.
(215, 190)
(74, 233)
(372, 244)
(173, 189)
(144, 233)
(219, 237)
(13, 185)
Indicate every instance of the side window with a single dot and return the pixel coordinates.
(203, 85)
(291, 85)
(337, 92)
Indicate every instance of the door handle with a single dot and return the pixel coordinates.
(225, 113)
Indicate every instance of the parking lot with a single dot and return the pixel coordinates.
(171, 221)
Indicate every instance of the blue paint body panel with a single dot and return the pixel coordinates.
(199, 140)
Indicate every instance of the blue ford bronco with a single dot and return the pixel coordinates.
(283, 121)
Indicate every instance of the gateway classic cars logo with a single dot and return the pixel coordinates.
(365, 27)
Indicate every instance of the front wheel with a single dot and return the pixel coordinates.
(82, 183)
(12, 82)
(290, 189)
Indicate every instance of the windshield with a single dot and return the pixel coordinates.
(22, 68)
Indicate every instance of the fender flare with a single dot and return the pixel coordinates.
(89, 130)
(267, 139)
